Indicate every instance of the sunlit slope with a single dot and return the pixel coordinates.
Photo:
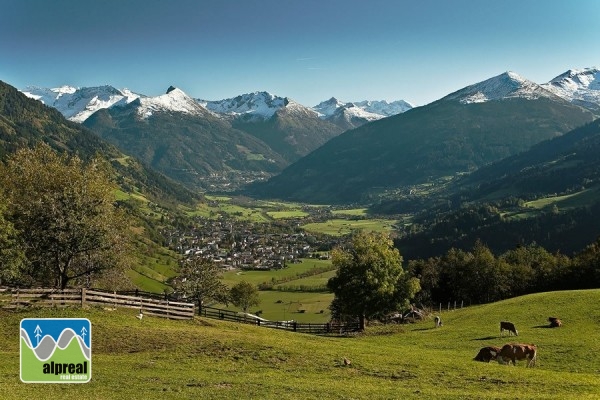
(155, 358)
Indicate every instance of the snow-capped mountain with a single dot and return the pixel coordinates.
(369, 110)
(504, 86)
(350, 115)
(250, 106)
(579, 86)
(174, 100)
(77, 104)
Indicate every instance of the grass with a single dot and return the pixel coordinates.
(340, 227)
(311, 281)
(230, 278)
(287, 214)
(201, 358)
(359, 212)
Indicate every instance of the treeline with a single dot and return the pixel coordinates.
(558, 230)
(478, 276)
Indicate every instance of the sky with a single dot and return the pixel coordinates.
(307, 50)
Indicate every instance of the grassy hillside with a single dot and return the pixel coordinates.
(159, 359)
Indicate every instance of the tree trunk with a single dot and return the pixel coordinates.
(362, 322)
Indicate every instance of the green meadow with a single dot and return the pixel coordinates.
(340, 227)
(210, 359)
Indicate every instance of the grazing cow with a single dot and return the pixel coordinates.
(517, 351)
(487, 354)
(508, 326)
(438, 321)
(554, 322)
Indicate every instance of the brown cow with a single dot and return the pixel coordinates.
(487, 354)
(554, 322)
(508, 326)
(518, 351)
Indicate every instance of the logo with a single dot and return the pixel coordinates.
(56, 350)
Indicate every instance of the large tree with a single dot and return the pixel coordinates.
(200, 280)
(64, 210)
(244, 295)
(370, 280)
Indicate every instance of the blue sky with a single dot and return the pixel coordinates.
(308, 50)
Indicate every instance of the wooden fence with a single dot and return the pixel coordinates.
(23, 298)
(313, 328)
(20, 298)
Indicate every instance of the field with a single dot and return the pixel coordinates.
(339, 227)
(285, 305)
(202, 358)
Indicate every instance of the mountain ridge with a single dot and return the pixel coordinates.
(443, 138)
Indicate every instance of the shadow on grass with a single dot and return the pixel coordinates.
(486, 338)
(542, 326)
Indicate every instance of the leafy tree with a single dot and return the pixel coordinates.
(586, 267)
(370, 280)
(428, 273)
(64, 212)
(244, 295)
(11, 255)
(200, 280)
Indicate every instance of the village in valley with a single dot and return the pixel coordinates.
(236, 244)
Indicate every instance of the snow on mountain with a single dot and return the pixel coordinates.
(367, 110)
(504, 86)
(174, 100)
(256, 105)
(77, 104)
(580, 86)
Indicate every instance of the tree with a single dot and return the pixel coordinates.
(200, 280)
(244, 295)
(64, 212)
(369, 280)
(11, 254)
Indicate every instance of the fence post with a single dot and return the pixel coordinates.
(82, 297)
(294, 325)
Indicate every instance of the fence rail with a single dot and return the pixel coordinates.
(23, 298)
(313, 328)
(20, 298)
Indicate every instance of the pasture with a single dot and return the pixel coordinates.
(201, 358)
(290, 273)
(340, 227)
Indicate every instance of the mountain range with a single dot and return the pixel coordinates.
(77, 104)
(334, 152)
(459, 133)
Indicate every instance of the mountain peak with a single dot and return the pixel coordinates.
(174, 100)
(579, 86)
(77, 104)
(367, 110)
(255, 105)
(581, 78)
(506, 85)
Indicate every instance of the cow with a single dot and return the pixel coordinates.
(517, 351)
(554, 322)
(438, 321)
(487, 354)
(508, 326)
